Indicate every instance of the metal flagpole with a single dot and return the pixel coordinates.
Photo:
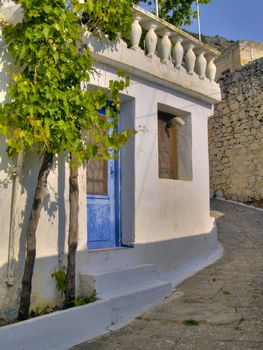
(198, 20)
(157, 8)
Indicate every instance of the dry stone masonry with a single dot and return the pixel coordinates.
(238, 54)
(236, 137)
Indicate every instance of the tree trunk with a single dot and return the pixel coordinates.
(73, 233)
(31, 236)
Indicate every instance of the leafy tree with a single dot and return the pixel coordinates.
(177, 12)
(48, 107)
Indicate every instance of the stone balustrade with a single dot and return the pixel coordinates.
(162, 41)
(171, 45)
(156, 51)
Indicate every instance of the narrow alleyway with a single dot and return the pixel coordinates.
(219, 308)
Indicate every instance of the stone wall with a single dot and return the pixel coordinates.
(239, 54)
(229, 60)
(236, 136)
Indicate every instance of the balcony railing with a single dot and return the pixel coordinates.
(171, 45)
(156, 51)
(162, 41)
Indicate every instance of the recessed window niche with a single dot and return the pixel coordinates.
(174, 144)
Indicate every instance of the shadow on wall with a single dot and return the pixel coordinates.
(177, 256)
(54, 200)
(53, 206)
(53, 211)
(44, 291)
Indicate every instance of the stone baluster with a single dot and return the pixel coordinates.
(151, 40)
(190, 58)
(165, 47)
(201, 64)
(211, 68)
(136, 33)
(178, 53)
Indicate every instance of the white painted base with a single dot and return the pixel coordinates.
(194, 266)
(167, 256)
(64, 329)
(109, 281)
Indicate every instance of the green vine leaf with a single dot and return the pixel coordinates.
(47, 109)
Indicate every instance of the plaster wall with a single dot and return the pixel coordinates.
(160, 204)
(52, 229)
(163, 202)
(162, 218)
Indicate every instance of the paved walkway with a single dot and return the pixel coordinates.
(224, 301)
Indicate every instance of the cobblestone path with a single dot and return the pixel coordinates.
(219, 308)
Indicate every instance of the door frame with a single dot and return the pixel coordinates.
(118, 237)
(117, 202)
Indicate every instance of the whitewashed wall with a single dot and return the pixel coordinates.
(163, 207)
(158, 214)
(167, 221)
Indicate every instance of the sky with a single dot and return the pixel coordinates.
(233, 19)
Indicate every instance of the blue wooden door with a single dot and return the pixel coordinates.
(102, 203)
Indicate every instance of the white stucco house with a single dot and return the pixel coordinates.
(145, 218)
